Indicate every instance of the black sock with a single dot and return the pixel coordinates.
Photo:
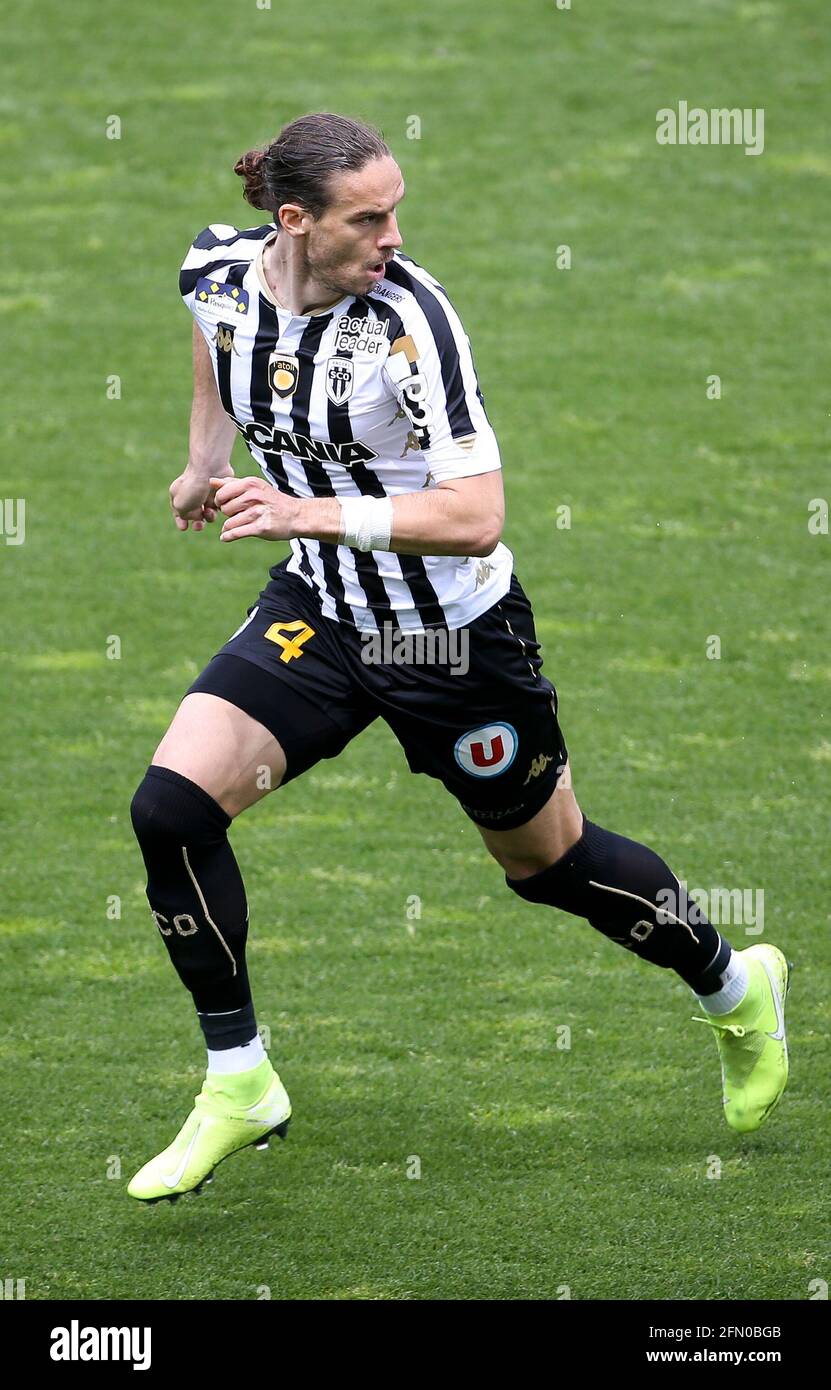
(628, 893)
(198, 901)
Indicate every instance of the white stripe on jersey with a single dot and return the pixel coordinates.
(376, 395)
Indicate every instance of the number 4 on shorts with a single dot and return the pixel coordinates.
(292, 646)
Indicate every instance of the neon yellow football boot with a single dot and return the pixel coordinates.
(751, 1041)
(218, 1126)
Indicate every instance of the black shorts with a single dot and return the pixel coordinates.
(468, 706)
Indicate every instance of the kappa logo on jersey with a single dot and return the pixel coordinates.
(488, 750)
(283, 374)
(275, 441)
(215, 294)
(224, 337)
(483, 572)
(340, 378)
(363, 337)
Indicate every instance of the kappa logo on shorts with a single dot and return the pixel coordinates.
(538, 766)
(488, 750)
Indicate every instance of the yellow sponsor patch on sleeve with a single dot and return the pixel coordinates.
(406, 345)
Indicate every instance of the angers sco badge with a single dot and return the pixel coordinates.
(340, 376)
(283, 372)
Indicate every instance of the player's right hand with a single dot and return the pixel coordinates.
(192, 499)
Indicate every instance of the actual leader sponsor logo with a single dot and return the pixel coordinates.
(362, 337)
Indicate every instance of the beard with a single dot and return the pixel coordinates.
(331, 270)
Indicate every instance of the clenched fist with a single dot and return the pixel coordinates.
(192, 499)
(254, 508)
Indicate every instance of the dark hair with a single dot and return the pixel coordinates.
(297, 165)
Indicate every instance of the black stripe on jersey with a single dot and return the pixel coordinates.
(369, 485)
(206, 241)
(268, 331)
(401, 257)
(224, 345)
(225, 353)
(318, 479)
(451, 368)
(413, 569)
(188, 278)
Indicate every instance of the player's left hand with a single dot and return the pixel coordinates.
(254, 508)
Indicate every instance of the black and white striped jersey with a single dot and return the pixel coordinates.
(372, 396)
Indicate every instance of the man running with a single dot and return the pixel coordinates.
(345, 368)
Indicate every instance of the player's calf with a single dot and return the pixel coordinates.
(197, 898)
(628, 893)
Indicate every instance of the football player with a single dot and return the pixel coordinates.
(345, 367)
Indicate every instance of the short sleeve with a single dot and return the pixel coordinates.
(203, 273)
(431, 372)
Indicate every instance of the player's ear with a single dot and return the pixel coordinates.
(293, 218)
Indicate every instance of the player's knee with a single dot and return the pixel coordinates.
(169, 807)
(523, 866)
(533, 859)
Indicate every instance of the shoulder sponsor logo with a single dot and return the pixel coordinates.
(283, 374)
(488, 750)
(340, 377)
(411, 386)
(407, 346)
(271, 440)
(413, 401)
(215, 294)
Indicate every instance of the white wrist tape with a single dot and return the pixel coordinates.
(366, 522)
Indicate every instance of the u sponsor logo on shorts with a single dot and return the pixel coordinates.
(488, 750)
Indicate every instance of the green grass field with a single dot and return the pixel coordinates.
(540, 1167)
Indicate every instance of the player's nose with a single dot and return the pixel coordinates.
(391, 238)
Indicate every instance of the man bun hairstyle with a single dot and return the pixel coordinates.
(298, 164)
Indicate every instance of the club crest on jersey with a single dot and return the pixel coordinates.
(283, 373)
(215, 294)
(340, 378)
(488, 750)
